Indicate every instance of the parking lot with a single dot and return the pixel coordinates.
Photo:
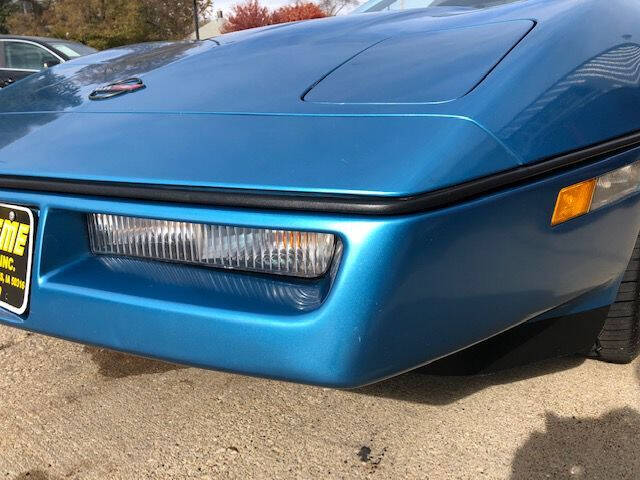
(70, 411)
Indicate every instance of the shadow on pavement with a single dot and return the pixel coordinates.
(33, 475)
(417, 387)
(120, 365)
(600, 448)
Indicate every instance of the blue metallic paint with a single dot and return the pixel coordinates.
(443, 280)
(372, 155)
(408, 289)
(571, 82)
(385, 73)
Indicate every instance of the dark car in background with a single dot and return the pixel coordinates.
(22, 56)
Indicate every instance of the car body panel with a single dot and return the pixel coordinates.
(378, 155)
(388, 73)
(443, 280)
(407, 288)
(590, 84)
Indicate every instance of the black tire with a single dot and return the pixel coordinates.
(619, 341)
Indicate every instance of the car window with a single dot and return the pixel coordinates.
(73, 50)
(25, 56)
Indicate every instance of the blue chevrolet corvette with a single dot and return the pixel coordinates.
(340, 200)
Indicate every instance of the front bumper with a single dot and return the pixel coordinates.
(407, 289)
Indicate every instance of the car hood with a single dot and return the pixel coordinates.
(327, 107)
(271, 69)
(230, 113)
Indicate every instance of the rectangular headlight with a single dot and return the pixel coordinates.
(615, 185)
(589, 195)
(283, 252)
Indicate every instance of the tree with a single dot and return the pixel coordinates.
(249, 14)
(108, 23)
(25, 17)
(296, 12)
(333, 7)
(101, 24)
(173, 19)
(7, 7)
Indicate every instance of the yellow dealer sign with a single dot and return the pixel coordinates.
(16, 251)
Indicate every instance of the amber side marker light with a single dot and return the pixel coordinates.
(573, 201)
(589, 195)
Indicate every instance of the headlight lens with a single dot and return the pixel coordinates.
(283, 252)
(615, 185)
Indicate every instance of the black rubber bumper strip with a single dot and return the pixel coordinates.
(346, 204)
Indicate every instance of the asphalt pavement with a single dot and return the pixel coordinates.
(69, 411)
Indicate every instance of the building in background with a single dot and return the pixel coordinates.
(212, 28)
